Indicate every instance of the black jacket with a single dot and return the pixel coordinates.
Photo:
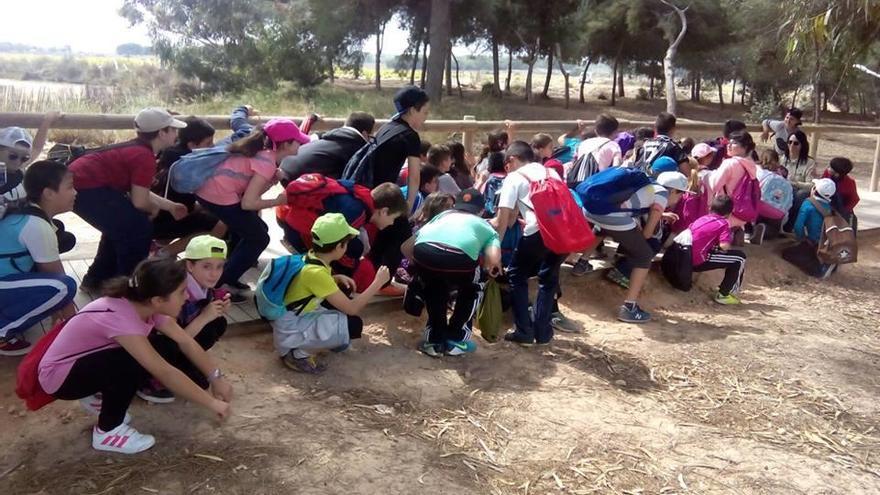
(327, 156)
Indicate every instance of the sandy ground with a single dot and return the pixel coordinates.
(776, 396)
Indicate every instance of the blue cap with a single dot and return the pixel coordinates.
(408, 97)
(663, 164)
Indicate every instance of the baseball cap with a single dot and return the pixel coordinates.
(408, 97)
(330, 228)
(154, 118)
(701, 150)
(283, 130)
(825, 188)
(15, 137)
(470, 200)
(664, 164)
(673, 180)
(203, 247)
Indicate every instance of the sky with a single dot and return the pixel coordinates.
(95, 26)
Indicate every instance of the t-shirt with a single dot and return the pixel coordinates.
(20, 233)
(652, 197)
(460, 230)
(780, 135)
(572, 144)
(446, 184)
(605, 151)
(94, 328)
(231, 180)
(707, 232)
(118, 167)
(514, 193)
(391, 153)
(315, 281)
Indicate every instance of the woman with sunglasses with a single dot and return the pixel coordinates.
(801, 168)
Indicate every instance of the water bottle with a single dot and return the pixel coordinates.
(2, 174)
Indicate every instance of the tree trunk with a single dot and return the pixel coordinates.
(669, 60)
(584, 77)
(457, 79)
(449, 70)
(380, 35)
(546, 93)
(509, 71)
(620, 91)
(529, 97)
(721, 94)
(425, 59)
(440, 34)
(415, 60)
(825, 100)
(733, 93)
(614, 79)
(795, 96)
(496, 78)
(651, 89)
(332, 70)
(742, 97)
(693, 88)
(565, 74)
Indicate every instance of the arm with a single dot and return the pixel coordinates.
(42, 134)
(504, 218)
(407, 247)
(492, 260)
(414, 173)
(353, 307)
(220, 388)
(209, 313)
(801, 221)
(252, 199)
(238, 120)
(653, 220)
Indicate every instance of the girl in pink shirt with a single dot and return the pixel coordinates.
(109, 349)
(725, 179)
(234, 193)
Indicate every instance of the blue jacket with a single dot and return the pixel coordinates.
(811, 219)
(238, 121)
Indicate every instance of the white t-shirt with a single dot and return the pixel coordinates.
(606, 152)
(38, 236)
(514, 193)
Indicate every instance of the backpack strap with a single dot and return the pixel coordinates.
(391, 135)
(300, 304)
(818, 206)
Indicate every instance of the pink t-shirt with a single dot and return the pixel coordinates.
(707, 232)
(93, 329)
(725, 179)
(231, 180)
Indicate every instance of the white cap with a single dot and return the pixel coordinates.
(154, 119)
(673, 180)
(825, 188)
(15, 137)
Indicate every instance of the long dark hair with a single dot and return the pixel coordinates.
(495, 141)
(251, 144)
(153, 277)
(459, 165)
(804, 152)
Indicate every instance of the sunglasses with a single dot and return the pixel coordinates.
(794, 143)
(16, 157)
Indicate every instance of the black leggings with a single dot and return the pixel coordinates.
(442, 270)
(118, 376)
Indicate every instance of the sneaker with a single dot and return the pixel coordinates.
(827, 271)
(564, 324)
(518, 338)
(460, 347)
(237, 298)
(308, 365)
(156, 393)
(758, 234)
(342, 348)
(92, 405)
(634, 315)
(582, 267)
(728, 300)
(14, 346)
(618, 278)
(123, 440)
(430, 349)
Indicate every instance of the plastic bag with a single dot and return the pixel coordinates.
(490, 315)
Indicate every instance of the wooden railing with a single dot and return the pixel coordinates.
(468, 126)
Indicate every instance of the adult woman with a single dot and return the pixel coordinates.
(801, 168)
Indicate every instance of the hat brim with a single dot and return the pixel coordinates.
(177, 124)
(468, 208)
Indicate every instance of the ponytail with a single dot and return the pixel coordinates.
(251, 144)
(153, 277)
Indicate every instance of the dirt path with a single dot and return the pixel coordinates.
(777, 396)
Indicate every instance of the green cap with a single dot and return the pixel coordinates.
(203, 247)
(330, 228)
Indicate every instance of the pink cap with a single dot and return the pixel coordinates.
(701, 150)
(282, 130)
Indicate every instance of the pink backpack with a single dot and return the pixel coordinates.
(561, 222)
(746, 197)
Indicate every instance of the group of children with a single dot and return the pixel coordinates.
(362, 212)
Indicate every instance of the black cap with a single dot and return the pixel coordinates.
(471, 201)
(408, 97)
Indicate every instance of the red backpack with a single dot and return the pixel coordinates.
(561, 222)
(27, 383)
(312, 195)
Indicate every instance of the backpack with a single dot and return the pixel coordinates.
(690, 207)
(604, 192)
(837, 245)
(677, 266)
(312, 195)
(490, 193)
(359, 168)
(746, 198)
(654, 149)
(65, 153)
(274, 282)
(585, 166)
(561, 223)
(188, 174)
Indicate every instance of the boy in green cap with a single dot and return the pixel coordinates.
(322, 316)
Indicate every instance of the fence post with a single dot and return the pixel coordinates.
(875, 171)
(467, 137)
(814, 143)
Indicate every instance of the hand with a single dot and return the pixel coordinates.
(581, 124)
(281, 200)
(383, 275)
(280, 175)
(221, 409)
(179, 211)
(251, 110)
(345, 282)
(495, 270)
(213, 310)
(670, 217)
(765, 136)
(52, 117)
(221, 389)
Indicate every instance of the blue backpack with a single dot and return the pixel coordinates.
(273, 283)
(188, 174)
(604, 192)
(490, 193)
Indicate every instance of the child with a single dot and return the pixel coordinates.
(662, 143)
(708, 241)
(440, 157)
(429, 180)
(570, 141)
(16, 151)
(110, 348)
(462, 165)
(311, 326)
(433, 205)
(777, 195)
(725, 179)
(202, 315)
(770, 161)
(447, 253)
(605, 150)
(33, 284)
(233, 193)
(542, 145)
(808, 229)
(113, 195)
(489, 190)
(704, 155)
(847, 196)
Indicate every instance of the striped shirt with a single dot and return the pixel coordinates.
(650, 197)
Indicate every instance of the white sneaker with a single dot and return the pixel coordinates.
(123, 440)
(92, 405)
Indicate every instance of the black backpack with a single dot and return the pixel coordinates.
(359, 168)
(68, 153)
(585, 166)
